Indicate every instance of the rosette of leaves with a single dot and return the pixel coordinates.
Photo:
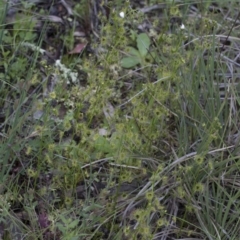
(137, 55)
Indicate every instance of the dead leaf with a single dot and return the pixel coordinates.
(108, 111)
(103, 132)
(53, 18)
(79, 34)
(43, 220)
(78, 48)
(33, 134)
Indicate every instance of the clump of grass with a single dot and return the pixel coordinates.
(140, 152)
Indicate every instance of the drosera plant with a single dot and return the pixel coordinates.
(123, 155)
(44, 151)
(67, 226)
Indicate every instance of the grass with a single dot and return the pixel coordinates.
(134, 137)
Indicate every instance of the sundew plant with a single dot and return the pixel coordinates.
(119, 120)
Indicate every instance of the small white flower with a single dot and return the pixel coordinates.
(182, 26)
(122, 14)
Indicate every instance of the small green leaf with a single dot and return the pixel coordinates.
(133, 35)
(102, 144)
(73, 224)
(61, 227)
(129, 62)
(65, 221)
(133, 51)
(143, 43)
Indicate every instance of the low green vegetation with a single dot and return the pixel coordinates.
(125, 131)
